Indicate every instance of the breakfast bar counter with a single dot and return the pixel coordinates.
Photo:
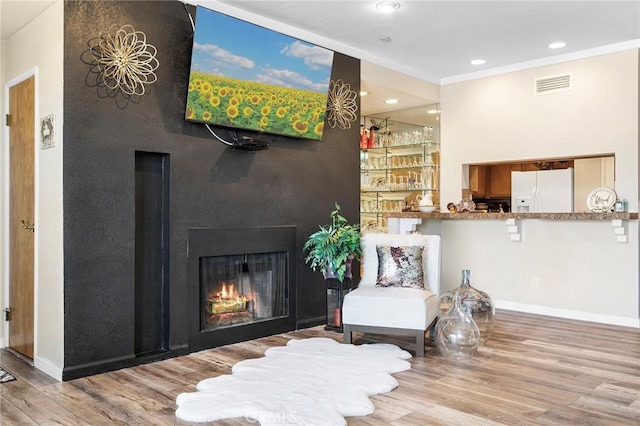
(505, 216)
(408, 222)
(580, 265)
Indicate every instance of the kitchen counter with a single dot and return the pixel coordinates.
(407, 222)
(504, 216)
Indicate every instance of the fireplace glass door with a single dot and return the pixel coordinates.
(241, 289)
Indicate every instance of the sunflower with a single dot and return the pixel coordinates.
(281, 112)
(254, 99)
(205, 88)
(206, 116)
(247, 111)
(232, 111)
(214, 101)
(319, 128)
(300, 127)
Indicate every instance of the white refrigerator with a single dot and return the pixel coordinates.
(542, 191)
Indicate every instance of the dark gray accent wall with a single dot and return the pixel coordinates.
(294, 182)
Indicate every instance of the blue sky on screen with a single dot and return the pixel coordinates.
(233, 48)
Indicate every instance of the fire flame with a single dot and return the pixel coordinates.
(228, 293)
(227, 300)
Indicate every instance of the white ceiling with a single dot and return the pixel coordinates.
(431, 40)
(436, 40)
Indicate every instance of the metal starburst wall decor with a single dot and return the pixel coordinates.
(125, 59)
(341, 105)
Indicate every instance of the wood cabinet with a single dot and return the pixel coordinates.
(500, 180)
(478, 181)
(491, 181)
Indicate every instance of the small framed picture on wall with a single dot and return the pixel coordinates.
(48, 131)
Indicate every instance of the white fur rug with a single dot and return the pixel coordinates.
(315, 381)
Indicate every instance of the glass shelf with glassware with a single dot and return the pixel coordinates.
(373, 207)
(399, 165)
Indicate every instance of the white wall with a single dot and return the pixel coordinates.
(400, 83)
(39, 46)
(500, 119)
(583, 272)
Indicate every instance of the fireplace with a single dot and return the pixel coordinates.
(241, 284)
(240, 289)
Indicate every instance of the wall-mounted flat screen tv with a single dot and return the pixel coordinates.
(249, 77)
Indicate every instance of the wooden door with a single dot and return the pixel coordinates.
(21, 216)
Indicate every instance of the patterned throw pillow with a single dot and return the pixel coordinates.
(400, 266)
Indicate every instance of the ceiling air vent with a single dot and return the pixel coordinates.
(556, 83)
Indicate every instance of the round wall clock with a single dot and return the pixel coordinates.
(601, 199)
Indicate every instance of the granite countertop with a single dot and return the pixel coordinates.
(485, 215)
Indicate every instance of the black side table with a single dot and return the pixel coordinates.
(335, 296)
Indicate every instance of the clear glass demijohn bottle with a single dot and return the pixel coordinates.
(457, 336)
(476, 302)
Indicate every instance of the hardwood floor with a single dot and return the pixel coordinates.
(533, 371)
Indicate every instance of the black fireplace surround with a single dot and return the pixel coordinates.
(209, 242)
(190, 180)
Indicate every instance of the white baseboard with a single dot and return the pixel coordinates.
(568, 314)
(48, 367)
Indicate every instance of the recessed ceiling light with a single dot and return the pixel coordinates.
(557, 45)
(363, 93)
(478, 62)
(387, 6)
(385, 39)
(391, 101)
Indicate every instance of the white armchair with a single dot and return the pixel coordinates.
(394, 310)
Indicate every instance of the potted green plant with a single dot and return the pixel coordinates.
(334, 246)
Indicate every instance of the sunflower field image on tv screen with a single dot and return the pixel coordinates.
(249, 77)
